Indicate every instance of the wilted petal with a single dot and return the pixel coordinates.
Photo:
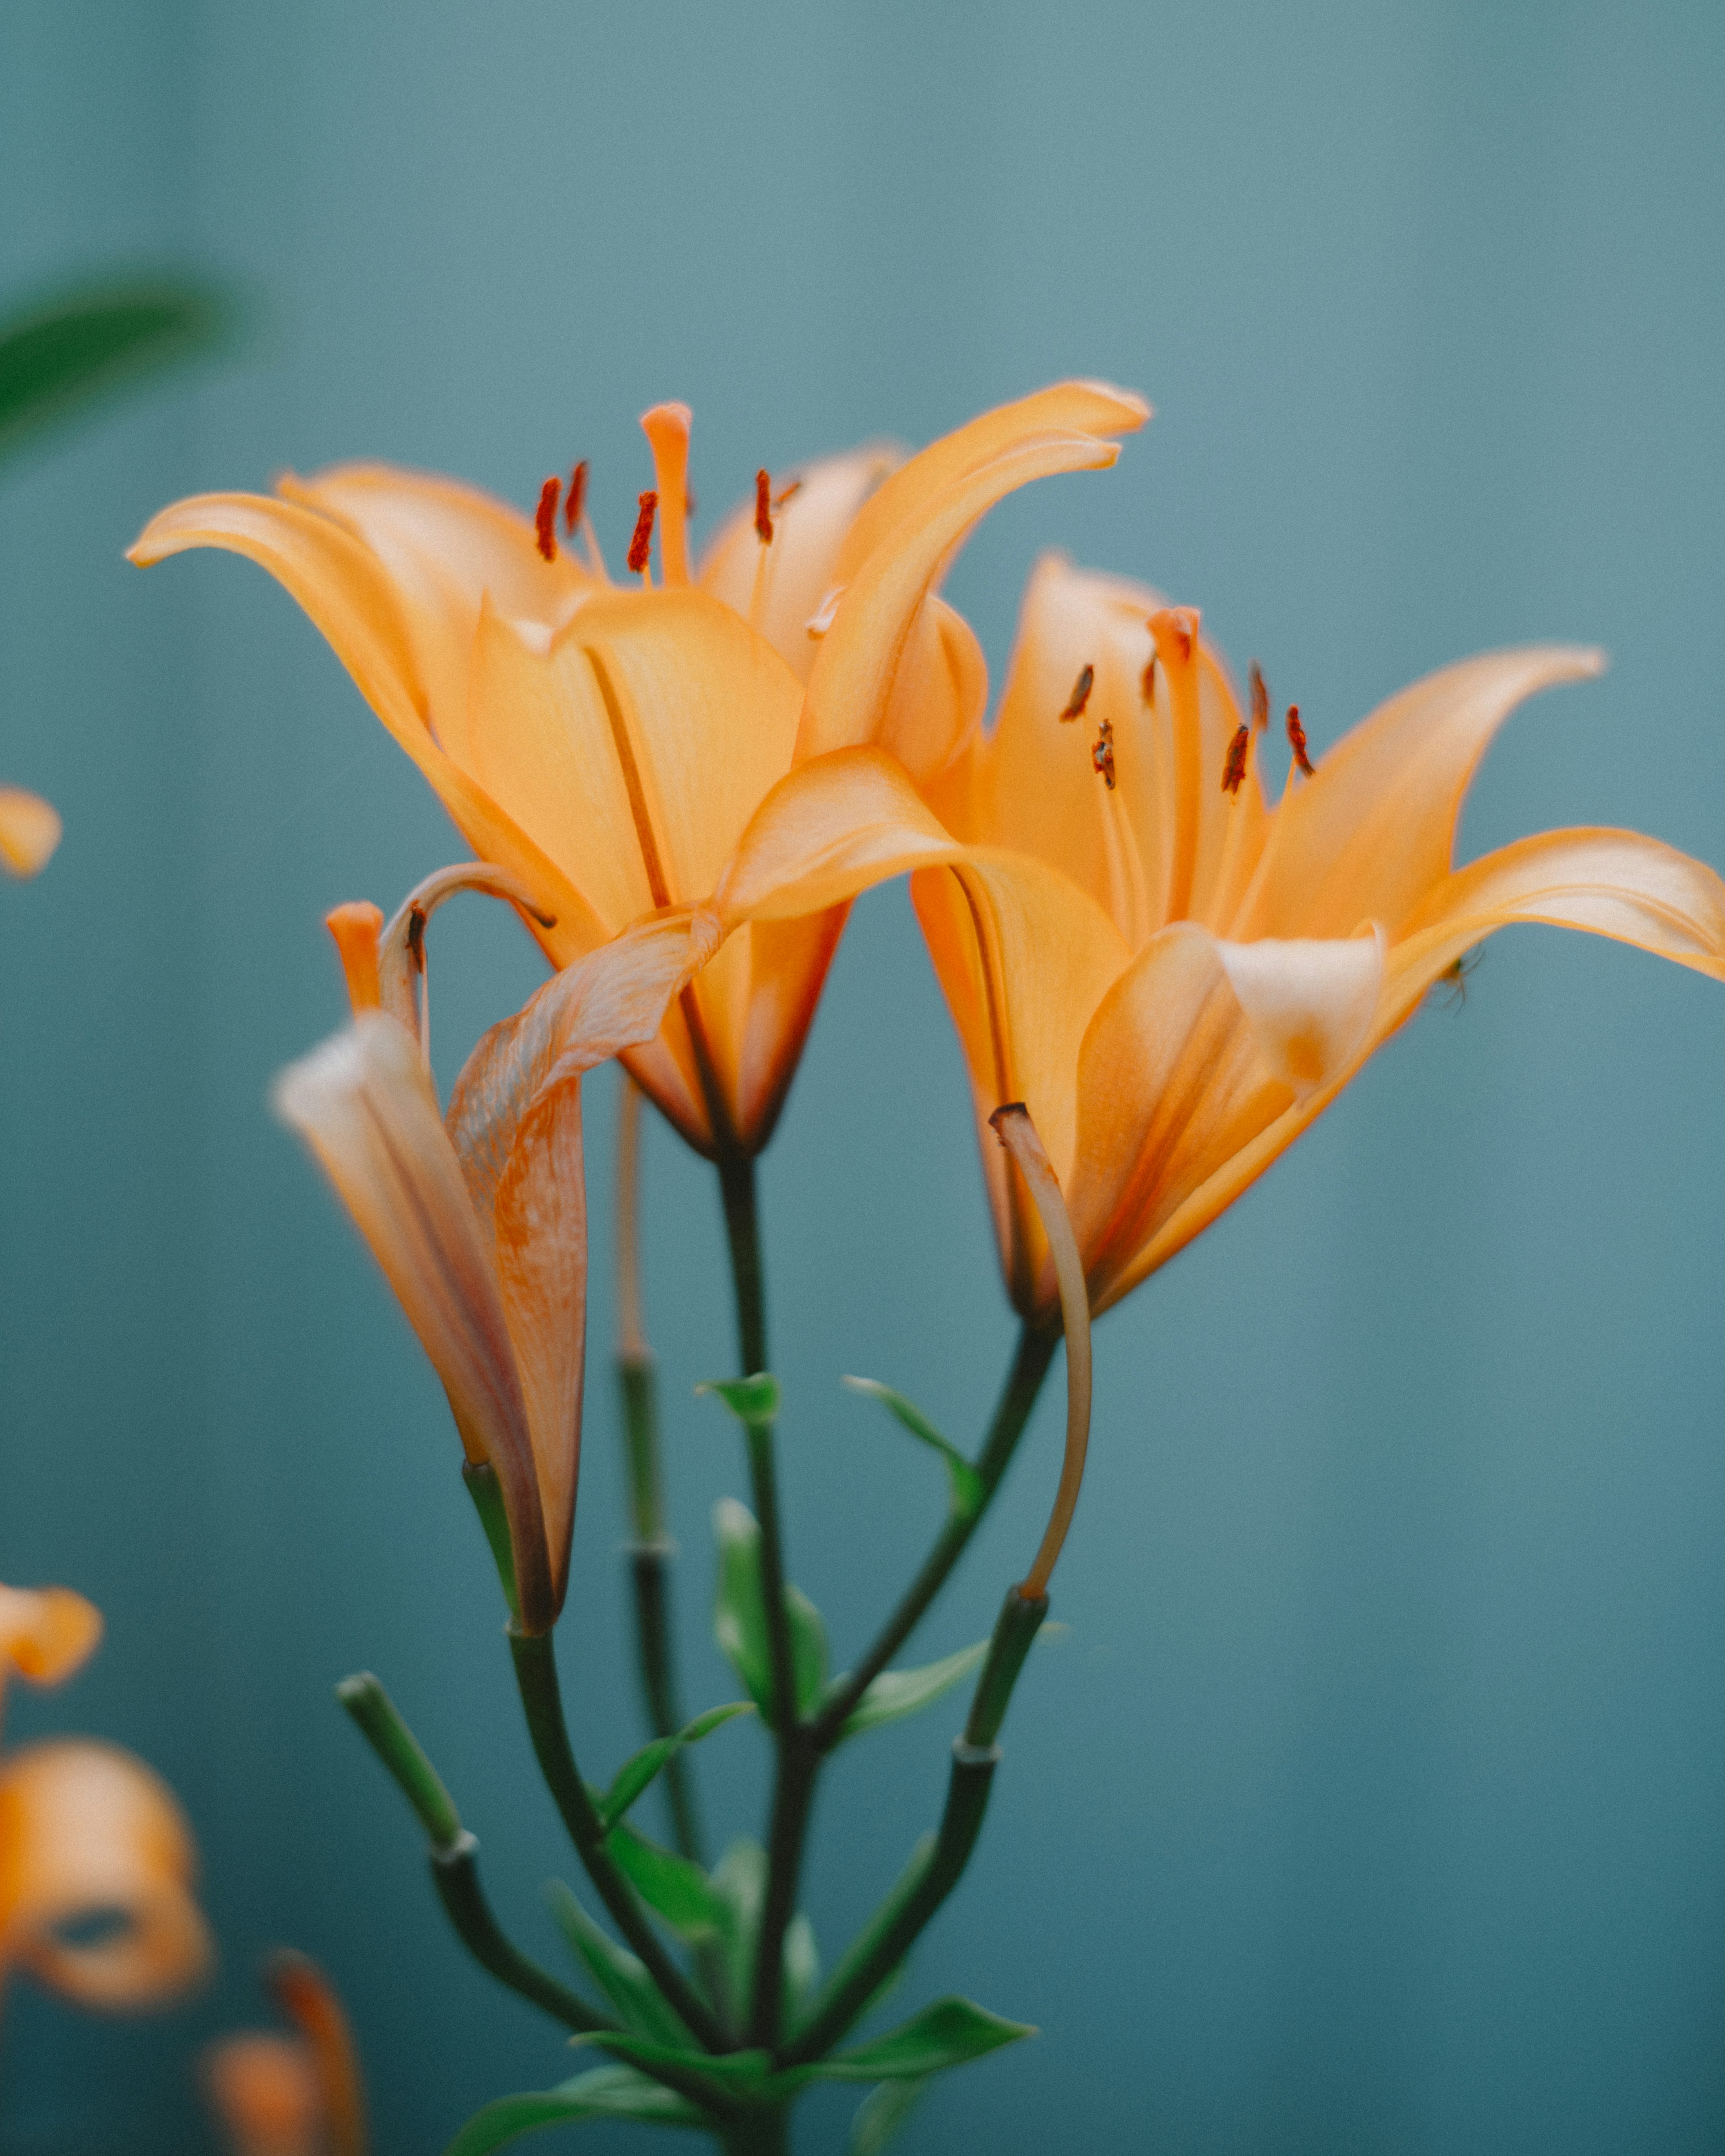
(1370, 835)
(88, 1833)
(29, 831)
(46, 1632)
(364, 1102)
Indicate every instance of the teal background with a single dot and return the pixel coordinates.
(1373, 1802)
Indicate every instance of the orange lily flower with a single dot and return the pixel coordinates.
(277, 2094)
(29, 832)
(1176, 976)
(88, 1831)
(607, 746)
(479, 1219)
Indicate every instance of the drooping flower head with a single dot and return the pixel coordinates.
(607, 745)
(1176, 976)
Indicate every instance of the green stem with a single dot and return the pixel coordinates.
(541, 1701)
(1030, 1365)
(758, 2133)
(935, 1869)
(650, 1564)
(792, 1801)
(454, 1856)
(742, 1230)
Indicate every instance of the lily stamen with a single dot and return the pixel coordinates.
(577, 500)
(1233, 771)
(545, 517)
(1297, 742)
(667, 428)
(1260, 698)
(1147, 680)
(403, 988)
(763, 507)
(1012, 1125)
(641, 545)
(1101, 754)
(1080, 694)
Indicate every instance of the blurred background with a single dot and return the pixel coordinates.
(1375, 1799)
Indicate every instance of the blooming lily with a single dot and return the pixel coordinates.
(479, 1219)
(1175, 976)
(608, 746)
(88, 1831)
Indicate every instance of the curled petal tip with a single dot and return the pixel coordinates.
(29, 831)
(47, 1633)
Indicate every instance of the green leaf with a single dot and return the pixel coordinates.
(950, 2033)
(730, 2073)
(678, 1889)
(808, 1649)
(84, 344)
(882, 2111)
(618, 1974)
(606, 2093)
(739, 1883)
(967, 1484)
(740, 1616)
(802, 1965)
(754, 1401)
(740, 1613)
(637, 1773)
(896, 1693)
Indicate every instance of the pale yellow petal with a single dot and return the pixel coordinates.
(1373, 831)
(29, 831)
(88, 1833)
(802, 563)
(363, 1103)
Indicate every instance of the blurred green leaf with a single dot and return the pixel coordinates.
(740, 1883)
(740, 1616)
(729, 2073)
(967, 1484)
(606, 2093)
(622, 1980)
(882, 2111)
(80, 346)
(677, 1888)
(637, 1773)
(754, 1401)
(802, 1965)
(950, 2033)
(896, 1693)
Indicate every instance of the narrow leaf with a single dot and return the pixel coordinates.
(754, 1401)
(802, 1965)
(896, 1693)
(740, 1612)
(606, 2093)
(739, 1883)
(950, 2033)
(618, 1974)
(678, 1889)
(808, 1649)
(85, 343)
(882, 2111)
(967, 1484)
(637, 1773)
(732, 2073)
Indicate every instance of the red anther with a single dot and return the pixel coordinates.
(545, 517)
(1101, 754)
(784, 493)
(1183, 623)
(1235, 769)
(578, 496)
(641, 545)
(1297, 741)
(1147, 680)
(763, 508)
(1080, 694)
(1260, 699)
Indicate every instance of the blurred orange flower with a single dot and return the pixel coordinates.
(608, 746)
(29, 832)
(1175, 976)
(299, 2094)
(88, 1835)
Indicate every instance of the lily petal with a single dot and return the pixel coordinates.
(88, 1831)
(363, 1103)
(29, 831)
(264, 2088)
(1370, 834)
(851, 689)
(343, 587)
(46, 1632)
(802, 563)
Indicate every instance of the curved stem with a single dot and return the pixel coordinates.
(1030, 1368)
(541, 1700)
(455, 1873)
